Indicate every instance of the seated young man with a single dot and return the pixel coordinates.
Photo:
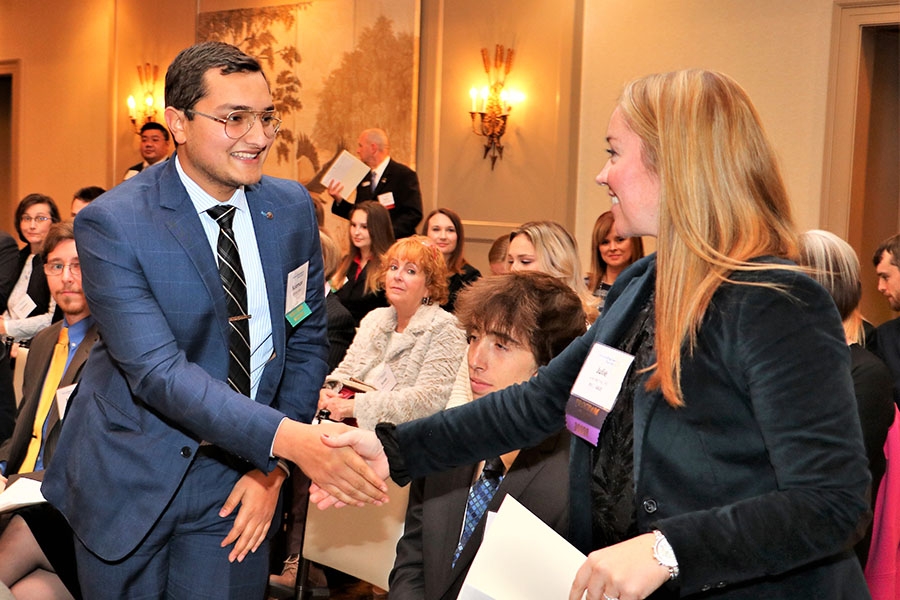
(515, 323)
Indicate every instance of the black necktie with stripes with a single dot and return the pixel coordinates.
(235, 286)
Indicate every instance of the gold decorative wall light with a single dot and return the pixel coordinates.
(144, 111)
(491, 107)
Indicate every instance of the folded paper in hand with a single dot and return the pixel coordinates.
(521, 558)
(348, 170)
(22, 492)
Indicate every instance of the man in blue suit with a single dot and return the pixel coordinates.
(167, 470)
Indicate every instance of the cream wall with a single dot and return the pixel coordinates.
(777, 50)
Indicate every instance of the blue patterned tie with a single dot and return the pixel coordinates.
(480, 495)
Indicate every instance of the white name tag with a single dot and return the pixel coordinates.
(595, 390)
(62, 398)
(386, 199)
(295, 307)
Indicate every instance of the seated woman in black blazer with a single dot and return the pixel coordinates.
(370, 237)
(445, 229)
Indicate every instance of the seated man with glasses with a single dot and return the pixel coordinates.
(38, 537)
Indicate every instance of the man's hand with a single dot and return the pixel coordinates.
(364, 443)
(257, 495)
(335, 189)
(338, 470)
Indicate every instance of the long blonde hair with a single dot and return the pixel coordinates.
(557, 254)
(722, 200)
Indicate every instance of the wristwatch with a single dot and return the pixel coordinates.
(664, 555)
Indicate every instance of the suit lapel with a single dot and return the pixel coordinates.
(73, 372)
(265, 228)
(443, 522)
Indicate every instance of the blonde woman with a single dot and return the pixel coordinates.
(749, 477)
(547, 247)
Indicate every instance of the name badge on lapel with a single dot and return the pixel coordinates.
(595, 391)
(387, 200)
(295, 307)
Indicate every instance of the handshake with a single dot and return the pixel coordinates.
(347, 465)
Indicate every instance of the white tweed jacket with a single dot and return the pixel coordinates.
(424, 361)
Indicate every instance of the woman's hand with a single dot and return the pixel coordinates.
(341, 408)
(625, 571)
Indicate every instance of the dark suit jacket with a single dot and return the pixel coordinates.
(341, 329)
(156, 382)
(354, 297)
(403, 183)
(759, 482)
(39, 356)
(437, 507)
(9, 267)
(886, 346)
(37, 285)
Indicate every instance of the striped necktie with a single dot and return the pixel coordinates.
(232, 275)
(48, 393)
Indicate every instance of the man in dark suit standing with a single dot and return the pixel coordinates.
(886, 341)
(205, 280)
(515, 323)
(154, 148)
(394, 185)
(43, 388)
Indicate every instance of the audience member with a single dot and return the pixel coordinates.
(393, 185)
(548, 247)
(154, 148)
(610, 255)
(835, 265)
(515, 324)
(497, 255)
(341, 329)
(408, 352)
(38, 544)
(85, 196)
(30, 306)
(9, 267)
(885, 343)
(749, 476)
(166, 468)
(370, 237)
(445, 229)
(55, 360)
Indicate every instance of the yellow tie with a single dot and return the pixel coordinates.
(51, 383)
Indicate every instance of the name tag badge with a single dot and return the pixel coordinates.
(62, 398)
(387, 200)
(295, 307)
(385, 380)
(23, 307)
(595, 391)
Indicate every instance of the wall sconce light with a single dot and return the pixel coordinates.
(492, 105)
(144, 111)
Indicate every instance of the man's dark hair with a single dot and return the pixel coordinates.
(86, 194)
(185, 83)
(892, 247)
(153, 125)
(529, 307)
(29, 201)
(59, 232)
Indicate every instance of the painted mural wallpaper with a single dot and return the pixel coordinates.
(335, 67)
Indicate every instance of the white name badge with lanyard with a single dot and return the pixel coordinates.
(595, 390)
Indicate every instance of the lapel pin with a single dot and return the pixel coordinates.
(268, 214)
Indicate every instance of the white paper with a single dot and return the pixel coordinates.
(62, 398)
(521, 558)
(348, 170)
(22, 492)
(601, 376)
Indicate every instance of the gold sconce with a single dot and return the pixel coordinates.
(492, 105)
(144, 111)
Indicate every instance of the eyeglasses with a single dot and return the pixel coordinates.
(55, 269)
(39, 219)
(239, 122)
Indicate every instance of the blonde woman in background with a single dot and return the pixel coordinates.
(547, 247)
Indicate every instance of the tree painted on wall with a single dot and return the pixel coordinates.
(372, 87)
(251, 30)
